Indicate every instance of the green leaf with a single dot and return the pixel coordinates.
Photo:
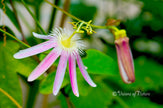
(62, 101)
(23, 66)
(98, 97)
(46, 86)
(148, 74)
(9, 80)
(99, 63)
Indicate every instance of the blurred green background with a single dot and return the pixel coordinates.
(143, 21)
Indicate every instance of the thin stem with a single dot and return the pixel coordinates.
(79, 26)
(105, 27)
(11, 98)
(77, 31)
(37, 22)
(99, 27)
(14, 38)
(68, 14)
(79, 20)
(16, 16)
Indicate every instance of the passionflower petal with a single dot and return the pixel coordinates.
(66, 46)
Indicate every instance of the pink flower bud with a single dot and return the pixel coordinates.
(125, 59)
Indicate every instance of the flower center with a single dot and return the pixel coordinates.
(66, 43)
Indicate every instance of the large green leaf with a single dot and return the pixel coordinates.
(98, 97)
(99, 63)
(46, 86)
(22, 66)
(8, 78)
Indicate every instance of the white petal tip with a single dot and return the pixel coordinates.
(30, 79)
(128, 82)
(16, 56)
(55, 93)
(34, 34)
(76, 94)
(93, 85)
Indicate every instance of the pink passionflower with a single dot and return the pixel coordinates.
(124, 55)
(68, 48)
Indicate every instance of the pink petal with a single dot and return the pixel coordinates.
(42, 36)
(72, 72)
(84, 72)
(60, 72)
(35, 49)
(45, 64)
(125, 60)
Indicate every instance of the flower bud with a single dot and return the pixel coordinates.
(124, 55)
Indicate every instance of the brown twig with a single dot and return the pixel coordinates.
(45, 101)
(66, 8)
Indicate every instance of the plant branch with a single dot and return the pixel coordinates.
(12, 36)
(66, 8)
(79, 20)
(68, 14)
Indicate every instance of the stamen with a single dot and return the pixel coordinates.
(67, 42)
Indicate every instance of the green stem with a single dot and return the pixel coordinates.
(79, 20)
(68, 14)
(105, 27)
(14, 38)
(79, 26)
(37, 22)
